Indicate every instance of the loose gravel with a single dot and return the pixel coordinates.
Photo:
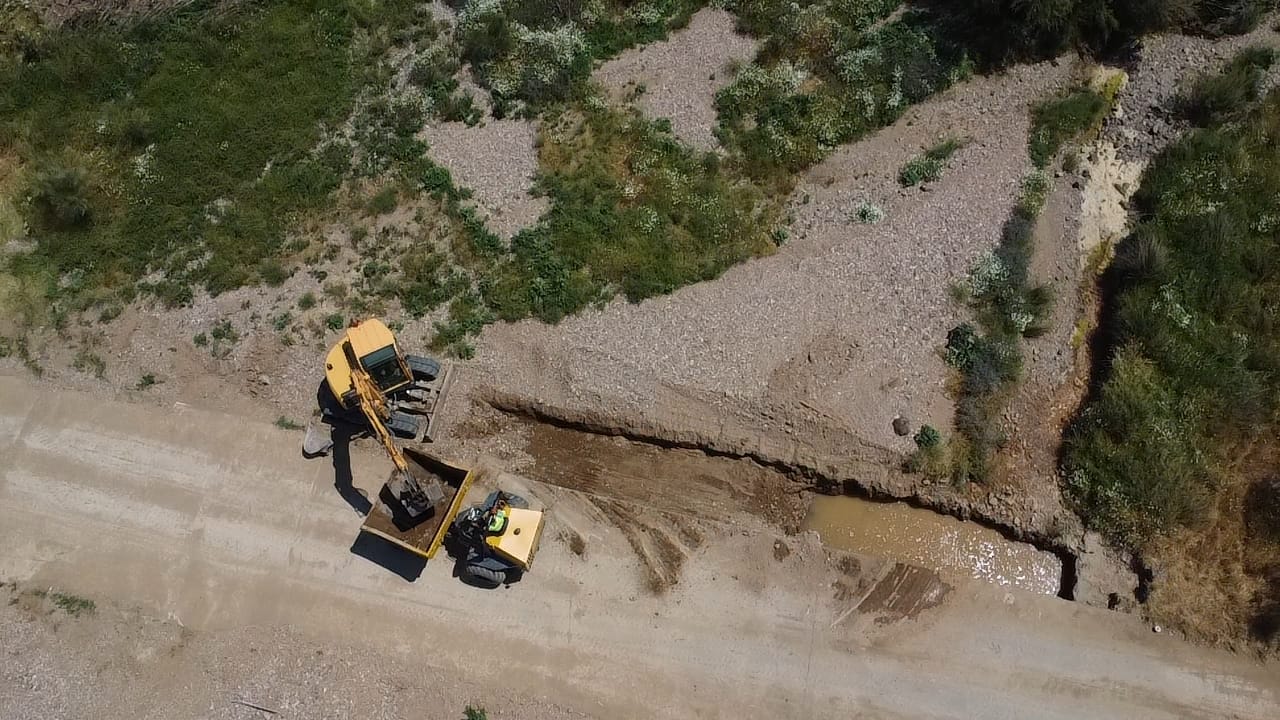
(496, 160)
(846, 319)
(679, 77)
(1162, 66)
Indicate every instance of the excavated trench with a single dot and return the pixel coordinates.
(670, 488)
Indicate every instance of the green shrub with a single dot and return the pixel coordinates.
(384, 201)
(60, 197)
(285, 423)
(1215, 98)
(827, 76)
(1138, 465)
(1003, 31)
(205, 131)
(868, 213)
(928, 437)
(147, 381)
(307, 301)
(224, 331)
(1262, 509)
(73, 605)
(467, 317)
(927, 167)
(89, 362)
(1195, 371)
(1057, 121)
(632, 210)
(335, 321)
(541, 52)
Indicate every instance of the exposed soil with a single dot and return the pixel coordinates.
(678, 78)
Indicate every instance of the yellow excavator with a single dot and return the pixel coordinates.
(370, 383)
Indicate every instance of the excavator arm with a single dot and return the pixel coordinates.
(412, 495)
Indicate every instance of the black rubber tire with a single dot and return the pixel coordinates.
(403, 425)
(484, 577)
(424, 369)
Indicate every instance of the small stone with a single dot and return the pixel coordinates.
(901, 426)
(264, 379)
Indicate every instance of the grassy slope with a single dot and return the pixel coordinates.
(196, 136)
(1194, 382)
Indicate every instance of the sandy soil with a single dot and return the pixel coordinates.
(171, 522)
(678, 78)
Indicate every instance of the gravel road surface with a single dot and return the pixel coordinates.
(222, 567)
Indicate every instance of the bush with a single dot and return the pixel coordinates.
(1002, 31)
(60, 197)
(827, 76)
(205, 130)
(632, 211)
(540, 52)
(384, 201)
(1059, 120)
(1262, 509)
(928, 166)
(1216, 98)
(1194, 373)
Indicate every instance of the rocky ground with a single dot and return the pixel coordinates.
(678, 78)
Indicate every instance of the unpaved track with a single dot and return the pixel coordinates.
(218, 522)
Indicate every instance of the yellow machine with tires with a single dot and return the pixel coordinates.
(371, 384)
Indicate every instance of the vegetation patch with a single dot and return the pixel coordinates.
(1213, 99)
(1058, 120)
(1191, 380)
(533, 53)
(1003, 31)
(927, 167)
(181, 146)
(633, 210)
(828, 72)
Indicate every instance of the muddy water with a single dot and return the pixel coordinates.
(921, 537)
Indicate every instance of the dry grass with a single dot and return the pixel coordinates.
(1210, 580)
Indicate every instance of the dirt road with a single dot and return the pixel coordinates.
(230, 557)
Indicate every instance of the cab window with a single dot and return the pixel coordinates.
(385, 369)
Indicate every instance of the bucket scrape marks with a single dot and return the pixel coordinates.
(660, 540)
(903, 593)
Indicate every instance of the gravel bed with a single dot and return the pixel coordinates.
(681, 75)
(496, 160)
(845, 319)
(1162, 66)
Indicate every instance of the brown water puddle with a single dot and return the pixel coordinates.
(921, 537)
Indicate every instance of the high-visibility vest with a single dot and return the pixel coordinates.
(498, 521)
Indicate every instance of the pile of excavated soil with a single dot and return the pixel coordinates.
(678, 78)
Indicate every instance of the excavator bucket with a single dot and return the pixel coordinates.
(422, 535)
